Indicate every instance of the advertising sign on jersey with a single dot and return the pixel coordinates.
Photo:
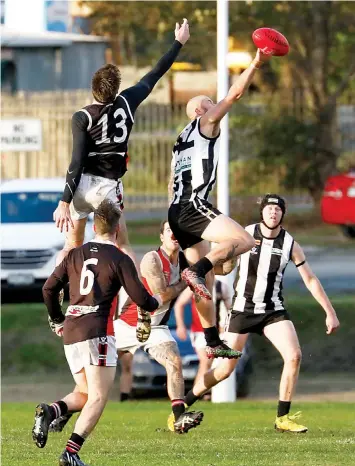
(21, 135)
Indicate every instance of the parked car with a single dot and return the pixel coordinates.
(338, 202)
(30, 240)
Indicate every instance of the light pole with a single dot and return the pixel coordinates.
(226, 390)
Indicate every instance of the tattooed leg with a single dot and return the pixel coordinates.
(167, 354)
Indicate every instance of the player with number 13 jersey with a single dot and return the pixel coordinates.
(100, 146)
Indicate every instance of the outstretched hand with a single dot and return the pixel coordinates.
(62, 217)
(182, 32)
(262, 57)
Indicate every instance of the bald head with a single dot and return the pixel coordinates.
(198, 106)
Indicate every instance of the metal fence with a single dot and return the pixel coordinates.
(154, 133)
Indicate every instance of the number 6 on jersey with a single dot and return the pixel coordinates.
(88, 275)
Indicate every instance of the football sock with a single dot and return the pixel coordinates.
(283, 408)
(178, 407)
(212, 336)
(57, 409)
(124, 396)
(74, 443)
(190, 398)
(202, 267)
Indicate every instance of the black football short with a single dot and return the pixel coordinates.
(189, 220)
(247, 322)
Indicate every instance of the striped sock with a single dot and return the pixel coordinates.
(74, 443)
(178, 407)
(57, 409)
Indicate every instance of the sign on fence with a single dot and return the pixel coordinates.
(21, 135)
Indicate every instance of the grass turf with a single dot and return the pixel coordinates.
(241, 434)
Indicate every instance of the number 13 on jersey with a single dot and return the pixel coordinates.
(121, 125)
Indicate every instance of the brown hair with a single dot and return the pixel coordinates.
(162, 225)
(106, 83)
(106, 218)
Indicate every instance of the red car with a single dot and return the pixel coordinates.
(338, 202)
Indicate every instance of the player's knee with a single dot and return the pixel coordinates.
(294, 358)
(97, 398)
(174, 364)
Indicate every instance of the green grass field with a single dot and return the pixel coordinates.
(135, 434)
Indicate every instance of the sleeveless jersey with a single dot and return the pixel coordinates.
(161, 316)
(260, 273)
(194, 164)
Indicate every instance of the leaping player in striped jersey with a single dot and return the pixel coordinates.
(100, 143)
(258, 306)
(193, 220)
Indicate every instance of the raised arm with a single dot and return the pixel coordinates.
(315, 287)
(136, 94)
(80, 123)
(215, 114)
(152, 270)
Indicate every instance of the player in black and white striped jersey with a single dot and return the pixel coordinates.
(258, 306)
(193, 220)
(100, 143)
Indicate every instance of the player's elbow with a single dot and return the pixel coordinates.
(236, 94)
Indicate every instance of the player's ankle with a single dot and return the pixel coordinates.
(191, 398)
(212, 336)
(202, 267)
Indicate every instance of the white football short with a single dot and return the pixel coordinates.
(198, 340)
(92, 190)
(95, 352)
(126, 337)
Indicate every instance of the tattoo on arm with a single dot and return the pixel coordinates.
(152, 271)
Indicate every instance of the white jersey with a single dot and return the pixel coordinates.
(260, 273)
(194, 164)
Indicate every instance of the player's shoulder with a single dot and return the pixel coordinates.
(151, 257)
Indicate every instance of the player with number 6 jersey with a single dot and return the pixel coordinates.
(95, 272)
(101, 133)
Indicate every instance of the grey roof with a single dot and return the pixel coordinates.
(17, 38)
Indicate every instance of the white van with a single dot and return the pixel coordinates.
(30, 240)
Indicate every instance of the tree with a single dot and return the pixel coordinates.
(142, 31)
(322, 60)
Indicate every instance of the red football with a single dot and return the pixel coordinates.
(270, 41)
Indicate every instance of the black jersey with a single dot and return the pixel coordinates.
(95, 272)
(101, 132)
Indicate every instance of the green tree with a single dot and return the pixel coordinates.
(322, 61)
(141, 31)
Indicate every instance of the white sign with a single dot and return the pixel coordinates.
(21, 135)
